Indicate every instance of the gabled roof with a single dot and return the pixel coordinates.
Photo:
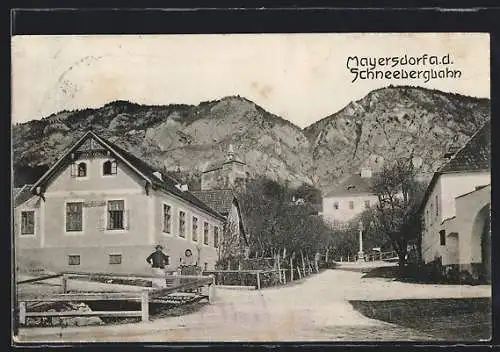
(140, 167)
(222, 200)
(474, 156)
(21, 195)
(353, 185)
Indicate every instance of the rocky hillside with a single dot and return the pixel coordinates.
(178, 137)
(388, 123)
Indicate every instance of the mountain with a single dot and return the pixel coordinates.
(181, 138)
(390, 123)
(387, 123)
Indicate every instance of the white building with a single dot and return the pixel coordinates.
(455, 210)
(349, 199)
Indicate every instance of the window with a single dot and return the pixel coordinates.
(115, 259)
(205, 232)
(74, 216)
(442, 238)
(195, 229)
(73, 260)
(167, 218)
(216, 236)
(82, 170)
(367, 204)
(116, 215)
(182, 224)
(351, 204)
(79, 170)
(336, 205)
(28, 222)
(109, 167)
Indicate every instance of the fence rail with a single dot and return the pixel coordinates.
(36, 279)
(145, 296)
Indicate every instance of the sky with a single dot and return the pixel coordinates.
(300, 77)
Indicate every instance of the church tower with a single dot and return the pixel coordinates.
(225, 174)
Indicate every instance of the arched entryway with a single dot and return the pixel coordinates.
(481, 232)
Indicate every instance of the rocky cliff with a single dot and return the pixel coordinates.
(388, 123)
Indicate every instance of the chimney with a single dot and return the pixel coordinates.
(158, 175)
(366, 173)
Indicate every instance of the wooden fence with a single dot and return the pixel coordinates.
(258, 278)
(374, 256)
(145, 296)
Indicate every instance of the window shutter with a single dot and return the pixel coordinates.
(73, 170)
(126, 222)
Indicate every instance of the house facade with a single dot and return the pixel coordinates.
(349, 199)
(101, 209)
(455, 210)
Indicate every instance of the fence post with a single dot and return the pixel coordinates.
(22, 313)
(258, 280)
(284, 276)
(64, 283)
(145, 305)
(300, 275)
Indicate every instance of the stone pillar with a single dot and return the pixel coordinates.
(361, 254)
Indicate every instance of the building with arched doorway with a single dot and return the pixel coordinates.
(455, 212)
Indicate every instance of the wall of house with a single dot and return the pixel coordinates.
(457, 184)
(344, 213)
(431, 248)
(471, 213)
(176, 245)
(27, 241)
(51, 245)
(446, 189)
(94, 243)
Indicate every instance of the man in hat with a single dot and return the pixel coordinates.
(158, 260)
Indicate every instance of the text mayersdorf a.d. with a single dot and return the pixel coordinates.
(424, 67)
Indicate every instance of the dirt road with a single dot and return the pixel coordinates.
(314, 310)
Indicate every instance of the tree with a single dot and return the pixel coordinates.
(280, 228)
(399, 195)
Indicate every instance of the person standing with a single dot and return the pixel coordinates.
(158, 260)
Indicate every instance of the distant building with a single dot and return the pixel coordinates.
(230, 173)
(100, 208)
(221, 182)
(349, 199)
(455, 211)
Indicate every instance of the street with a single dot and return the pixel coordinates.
(316, 309)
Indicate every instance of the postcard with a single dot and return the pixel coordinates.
(251, 187)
